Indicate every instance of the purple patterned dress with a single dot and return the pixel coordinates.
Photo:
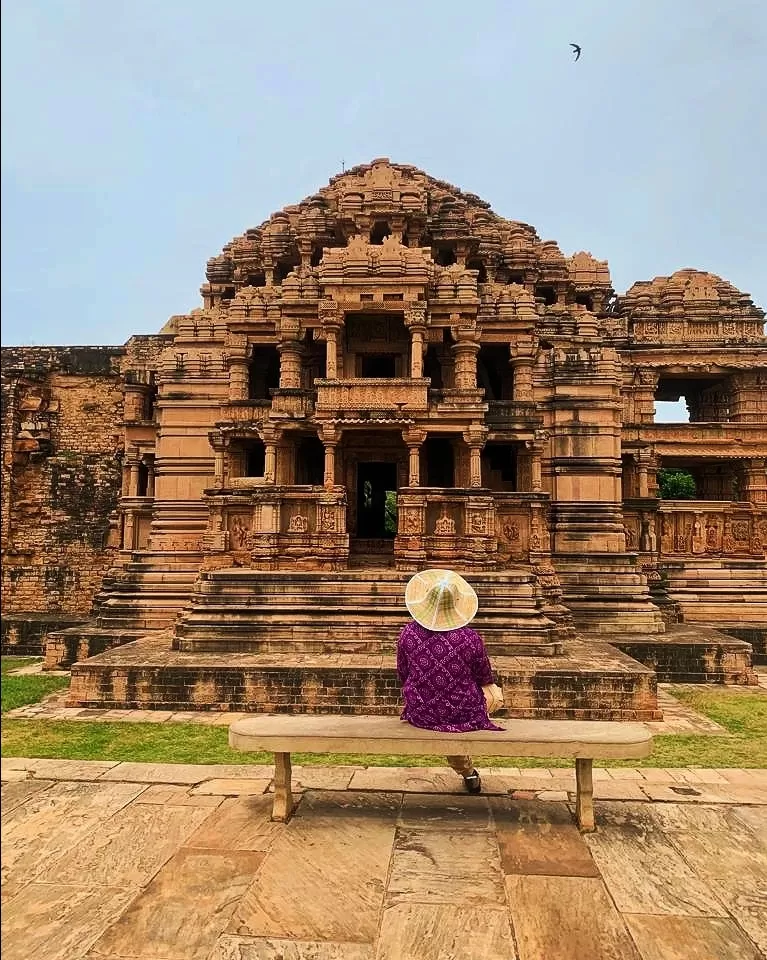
(442, 676)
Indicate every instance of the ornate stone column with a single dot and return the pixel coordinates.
(330, 440)
(535, 447)
(133, 464)
(219, 443)
(522, 383)
(414, 440)
(329, 315)
(290, 364)
(238, 378)
(755, 481)
(465, 353)
(269, 437)
(149, 464)
(475, 438)
(646, 383)
(331, 355)
(415, 319)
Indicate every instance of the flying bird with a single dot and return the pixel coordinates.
(577, 50)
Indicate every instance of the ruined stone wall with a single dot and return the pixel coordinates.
(61, 476)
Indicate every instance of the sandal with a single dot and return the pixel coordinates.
(473, 783)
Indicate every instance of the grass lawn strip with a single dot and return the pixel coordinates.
(743, 714)
(21, 691)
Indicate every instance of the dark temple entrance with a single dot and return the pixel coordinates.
(376, 501)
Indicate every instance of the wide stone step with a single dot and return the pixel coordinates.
(586, 682)
(716, 594)
(299, 643)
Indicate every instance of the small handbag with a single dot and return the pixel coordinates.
(493, 697)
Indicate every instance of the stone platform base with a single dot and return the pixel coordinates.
(587, 682)
(64, 647)
(692, 653)
(26, 634)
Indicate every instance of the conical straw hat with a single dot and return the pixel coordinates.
(440, 600)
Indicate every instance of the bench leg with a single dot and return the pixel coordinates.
(282, 808)
(584, 796)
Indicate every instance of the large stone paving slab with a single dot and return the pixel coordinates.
(690, 938)
(54, 921)
(55, 821)
(457, 867)
(270, 948)
(420, 931)
(129, 848)
(322, 879)
(646, 874)
(567, 918)
(239, 823)
(180, 915)
(17, 792)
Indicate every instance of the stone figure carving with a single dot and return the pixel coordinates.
(298, 524)
(444, 526)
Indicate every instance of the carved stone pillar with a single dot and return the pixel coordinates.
(535, 448)
(416, 352)
(329, 315)
(646, 383)
(290, 364)
(414, 439)
(133, 466)
(331, 355)
(465, 353)
(238, 378)
(329, 477)
(755, 481)
(129, 530)
(330, 440)
(475, 440)
(270, 461)
(149, 463)
(415, 319)
(219, 443)
(522, 384)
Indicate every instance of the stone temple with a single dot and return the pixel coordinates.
(384, 377)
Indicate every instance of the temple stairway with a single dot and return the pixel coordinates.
(302, 641)
(730, 595)
(607, 594)
(355, 611)
(145, 592)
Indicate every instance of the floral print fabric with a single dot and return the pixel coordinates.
(442, 675)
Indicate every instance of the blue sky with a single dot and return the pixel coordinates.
(139, 137)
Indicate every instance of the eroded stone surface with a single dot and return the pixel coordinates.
(570, 918)
(420, 931)
(180, 915)
(129, 848)
(690, 938)
(56, 921)
(445, 866)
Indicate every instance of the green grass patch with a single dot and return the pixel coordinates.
(21, 691)
(744, 715)
(16, 663)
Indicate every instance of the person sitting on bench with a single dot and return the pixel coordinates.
(447, 681)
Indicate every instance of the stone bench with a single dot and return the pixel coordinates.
(583, 741)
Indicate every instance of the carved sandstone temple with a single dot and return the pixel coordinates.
(389, 376)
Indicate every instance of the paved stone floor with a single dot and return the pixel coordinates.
(105, 860)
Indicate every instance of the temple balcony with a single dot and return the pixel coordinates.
(290, 403)
(701, 439)
(512, 415)
(373, 393)
(245, 412)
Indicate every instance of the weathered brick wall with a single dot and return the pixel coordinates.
(61, 476)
